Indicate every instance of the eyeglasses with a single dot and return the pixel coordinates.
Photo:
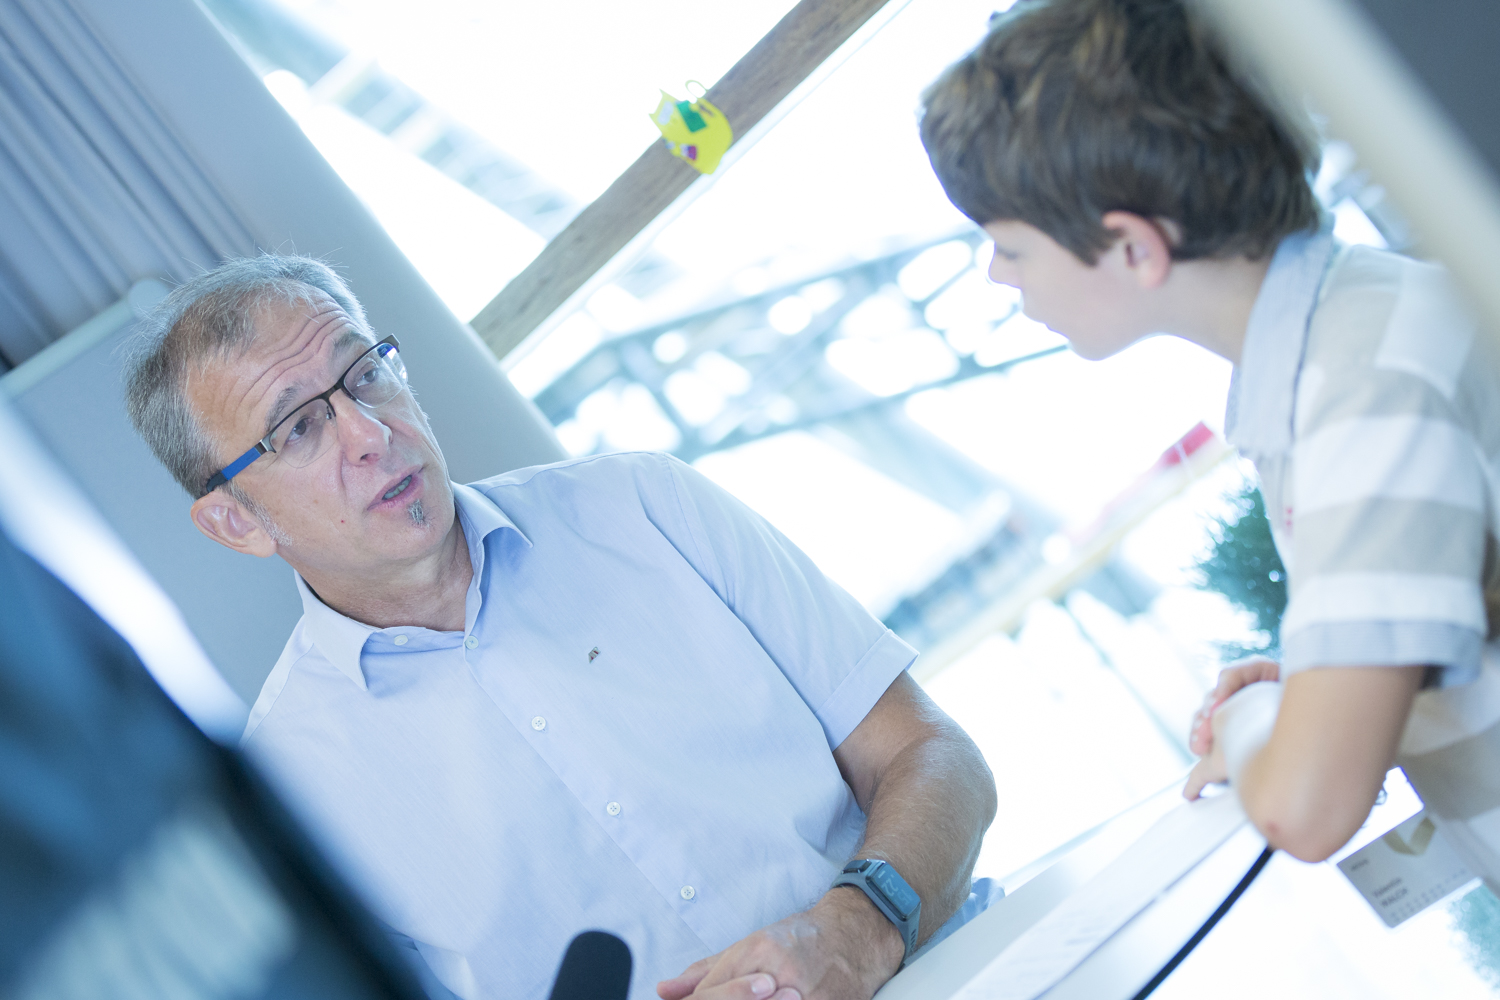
(376, 377)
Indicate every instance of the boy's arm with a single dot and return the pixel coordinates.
(1312, 785)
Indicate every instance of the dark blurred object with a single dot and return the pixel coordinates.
(595, 967)
(1410, 87)
(1450, 47)
(137, 857)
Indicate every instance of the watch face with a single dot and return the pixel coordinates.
(902, 897)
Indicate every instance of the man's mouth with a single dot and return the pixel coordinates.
(397, 490)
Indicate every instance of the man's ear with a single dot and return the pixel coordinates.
(224, 519)
(1142, 247)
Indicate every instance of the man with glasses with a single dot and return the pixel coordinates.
(600, 693)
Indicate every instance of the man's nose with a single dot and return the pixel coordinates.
(362, 437)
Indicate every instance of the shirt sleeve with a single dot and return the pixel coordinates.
(838, 657)
(1390, 529)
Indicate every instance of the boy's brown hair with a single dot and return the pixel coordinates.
(1073, 108)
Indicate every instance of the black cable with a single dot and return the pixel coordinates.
(1208, 925)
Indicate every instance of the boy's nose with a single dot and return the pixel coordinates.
(1003, 272)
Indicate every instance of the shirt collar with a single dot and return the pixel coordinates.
(339, 639)
(342, 639)
(480, 517)
(1258, 420)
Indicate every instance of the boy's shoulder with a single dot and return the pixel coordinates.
(1380, 311)
(1392, 336)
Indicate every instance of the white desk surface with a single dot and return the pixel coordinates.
(1129, 958)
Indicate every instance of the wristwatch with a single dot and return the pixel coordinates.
(890, 894)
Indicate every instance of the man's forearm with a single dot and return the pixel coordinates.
(928, 798)
(927, 818)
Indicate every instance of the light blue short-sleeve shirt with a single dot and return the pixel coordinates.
(632, 733)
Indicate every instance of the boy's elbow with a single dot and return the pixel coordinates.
(1299, 824)
(1302, 840)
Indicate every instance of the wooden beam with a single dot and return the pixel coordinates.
(788, 55)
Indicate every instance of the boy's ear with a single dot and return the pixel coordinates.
(224, 519)
(1142, 247)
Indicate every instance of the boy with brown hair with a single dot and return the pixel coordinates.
(1134, 185)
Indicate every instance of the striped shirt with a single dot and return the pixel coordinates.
(1368, 401)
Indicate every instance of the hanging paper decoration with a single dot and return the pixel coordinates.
(695, 131)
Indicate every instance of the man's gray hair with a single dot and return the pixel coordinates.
(209, 318)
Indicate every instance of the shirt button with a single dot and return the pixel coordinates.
(471, 642)
(538, 723)
(400, 640)
(688, 892)
(613, 808)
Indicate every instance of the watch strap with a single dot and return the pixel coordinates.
(867, 875)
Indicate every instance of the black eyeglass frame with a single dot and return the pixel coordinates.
(263, 446)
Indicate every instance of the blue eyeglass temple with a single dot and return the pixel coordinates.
(233, 469)
(239, 465)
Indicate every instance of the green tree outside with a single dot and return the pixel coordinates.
(1242, 564)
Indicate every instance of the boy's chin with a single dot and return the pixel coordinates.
(1098, 348)
(1094, 352)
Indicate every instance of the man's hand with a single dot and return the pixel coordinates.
(841, 949)
(928, 796)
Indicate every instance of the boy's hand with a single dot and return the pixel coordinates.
(1209, 770)
(1231, 679)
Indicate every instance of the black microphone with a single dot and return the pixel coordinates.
(595, 967)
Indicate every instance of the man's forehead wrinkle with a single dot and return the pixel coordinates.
(284, 399)
(308, 345)
(234, 382)
(351, 337)
(290, 361)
